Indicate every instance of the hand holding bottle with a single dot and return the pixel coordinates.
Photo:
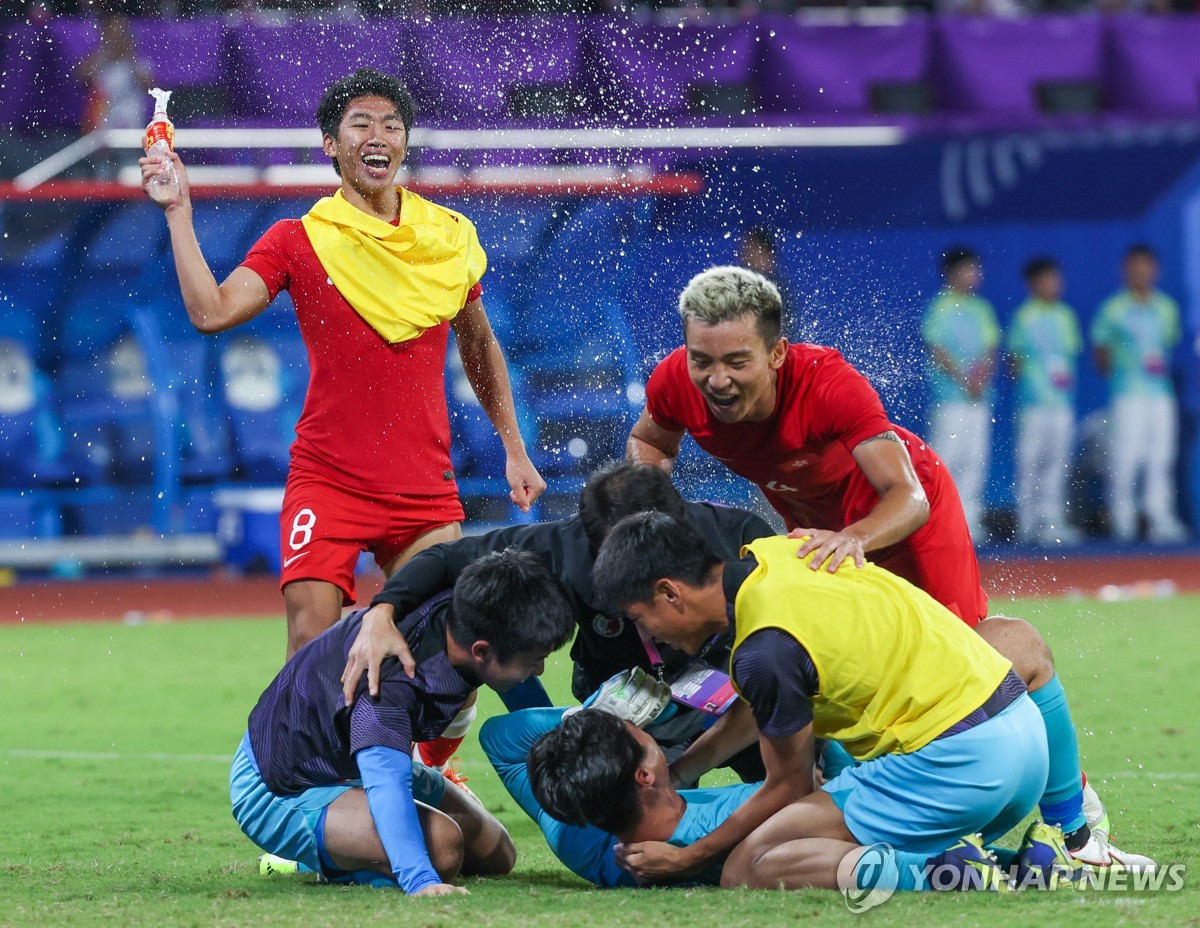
(162, 182)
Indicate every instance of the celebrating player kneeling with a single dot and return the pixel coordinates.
(949, 741)
(335, 787)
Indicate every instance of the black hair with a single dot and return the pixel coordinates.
(647, 547)
(1141, 250)
(365, 82)
(955, 255)
(511, 600)
(1039, 265)
(582, 772)
(620, 489)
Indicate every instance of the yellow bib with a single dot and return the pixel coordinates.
(896, 668)
(401, 279)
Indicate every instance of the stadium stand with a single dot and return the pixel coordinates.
(1004, 135)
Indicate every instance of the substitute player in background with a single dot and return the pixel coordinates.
(378, 276)
(804, 425)
(963, 336)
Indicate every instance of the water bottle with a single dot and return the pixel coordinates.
(159, 142)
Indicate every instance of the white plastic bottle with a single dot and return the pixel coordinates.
(160, 142)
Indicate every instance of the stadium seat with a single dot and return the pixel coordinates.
(582, 373)
(30, 439)
(263, 376)
(284, 68)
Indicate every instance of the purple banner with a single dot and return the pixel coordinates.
(471, 71)
(467, 66)
(832, 69)
(987, 65)
(643, 72)
(1153, 65)
(280, 72)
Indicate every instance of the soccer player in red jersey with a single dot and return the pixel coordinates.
(803, 424)
(810, 430)
(378, 276)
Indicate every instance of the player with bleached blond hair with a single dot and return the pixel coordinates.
(812, 433)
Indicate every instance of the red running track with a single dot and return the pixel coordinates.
(219, 595)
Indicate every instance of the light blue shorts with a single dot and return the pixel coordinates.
(287, 825)
(985, 779)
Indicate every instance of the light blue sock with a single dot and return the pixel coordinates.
(835, 759)
(884, 868)
(361, 878)
(1062, 802)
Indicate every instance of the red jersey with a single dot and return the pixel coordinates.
(801, 459)
(375, 414)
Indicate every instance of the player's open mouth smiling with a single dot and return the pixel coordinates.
(722, 402)
(377, 164)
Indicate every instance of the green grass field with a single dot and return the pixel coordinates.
(114, 746)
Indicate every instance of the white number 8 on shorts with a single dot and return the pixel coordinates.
(302, 526)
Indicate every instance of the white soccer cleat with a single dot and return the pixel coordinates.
(1094, 811)
(1101, 854)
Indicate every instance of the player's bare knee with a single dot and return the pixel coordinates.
(444, 840)
(1022, 644)
(503, 859)
(739, 866)
(733, 873)
(301, 631)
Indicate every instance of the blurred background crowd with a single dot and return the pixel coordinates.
(36, 9)
(1011, 253)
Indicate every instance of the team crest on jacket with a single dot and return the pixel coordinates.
(608, 626)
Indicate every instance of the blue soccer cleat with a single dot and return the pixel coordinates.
(968, 865)
(1043, 861)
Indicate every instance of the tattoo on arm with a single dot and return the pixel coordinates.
(889, 435)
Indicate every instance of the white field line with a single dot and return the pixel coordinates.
(154, 757)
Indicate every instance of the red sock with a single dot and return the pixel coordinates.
(437, 752)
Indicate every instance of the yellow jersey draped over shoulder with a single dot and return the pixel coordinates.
(402, 279)
(896, 668)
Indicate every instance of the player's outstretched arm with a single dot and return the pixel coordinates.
(652, 444)
(903, 507)
(432, 571)
(789, 763)
(732, 732)
(483, 361)
(376, 641)
(211, 308)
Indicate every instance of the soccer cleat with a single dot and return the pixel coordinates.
(968, 865)
(1094, 811)
(1100, 854)
(1043, 861)
(274, 865)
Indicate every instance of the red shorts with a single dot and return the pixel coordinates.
(324, 527)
